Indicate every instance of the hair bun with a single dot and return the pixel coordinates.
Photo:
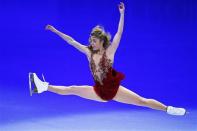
(99, 32)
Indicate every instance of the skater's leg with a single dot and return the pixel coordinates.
(83, 91)
(125, 95)
(61, 90)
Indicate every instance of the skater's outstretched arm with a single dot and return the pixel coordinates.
(69, 40)
(116, 40)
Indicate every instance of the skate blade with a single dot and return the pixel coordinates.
(187, 113)
(30, 83)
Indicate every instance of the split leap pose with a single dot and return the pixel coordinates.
(100, 54)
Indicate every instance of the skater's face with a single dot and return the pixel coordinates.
(96, 43)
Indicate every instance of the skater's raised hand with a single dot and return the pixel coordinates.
(51, 28)
(69, 39)
(121, 8)
(116, 40)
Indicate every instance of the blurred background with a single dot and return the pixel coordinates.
(157, 53)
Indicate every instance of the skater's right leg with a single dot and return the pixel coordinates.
(83, 91)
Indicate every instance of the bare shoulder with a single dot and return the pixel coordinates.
(110, 54)
(87, 52)
(110, 51)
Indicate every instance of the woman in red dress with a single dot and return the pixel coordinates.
(100, 54)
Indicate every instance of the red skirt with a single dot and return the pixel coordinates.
(110, 86)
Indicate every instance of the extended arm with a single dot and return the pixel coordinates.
(69, 39)
(117, 37)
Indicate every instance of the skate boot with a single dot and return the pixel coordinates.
(39, 86)
(176, 111)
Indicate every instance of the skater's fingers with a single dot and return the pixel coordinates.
(121, 5)
(48, 27)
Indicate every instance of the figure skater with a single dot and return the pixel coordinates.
(100, 54)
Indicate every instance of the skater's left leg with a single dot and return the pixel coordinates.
(125, 95)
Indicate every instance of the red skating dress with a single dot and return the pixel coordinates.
(108, 80)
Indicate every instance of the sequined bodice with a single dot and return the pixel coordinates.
(100, 70)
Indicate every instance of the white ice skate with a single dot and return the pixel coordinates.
(39, 86)
(176, 111)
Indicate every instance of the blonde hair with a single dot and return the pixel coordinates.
(99, 32)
